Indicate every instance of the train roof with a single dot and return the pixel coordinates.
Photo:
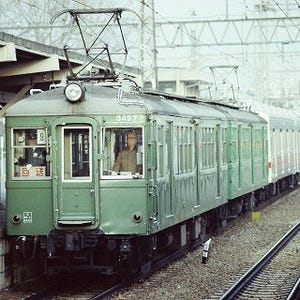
(278, 117)
(239, 114)
(102, 100)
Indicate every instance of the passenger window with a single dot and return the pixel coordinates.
(123, 153)
(29, 153)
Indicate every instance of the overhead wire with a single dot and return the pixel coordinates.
(187, 33)
(293, 24)
(180, 29)
(214, 48)
(293, 42)
(80, 3)
(34, 6)
(246, 61)
(285, 67)
(284, 12)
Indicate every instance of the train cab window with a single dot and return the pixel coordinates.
(30, 147)
(123, 153)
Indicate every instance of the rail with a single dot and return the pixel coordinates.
(252, 272)
(295, 292)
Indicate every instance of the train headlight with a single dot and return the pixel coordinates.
(74, 92)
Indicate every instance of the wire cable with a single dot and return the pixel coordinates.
(284, 12)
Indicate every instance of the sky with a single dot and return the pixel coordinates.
(273, 70)
(203, 8)
(212, 9)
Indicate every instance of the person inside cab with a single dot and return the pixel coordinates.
(35, 156)
(127, 158)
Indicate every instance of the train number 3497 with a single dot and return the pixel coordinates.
(126, 118)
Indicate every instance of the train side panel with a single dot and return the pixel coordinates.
(259, 156)
(247, 157)
(189, 175)
(283, 141)
(283, 148)
(212, 160)
(172, 173)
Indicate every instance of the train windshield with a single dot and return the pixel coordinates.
(30, 147)
(123, 150)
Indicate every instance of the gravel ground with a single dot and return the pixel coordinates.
(230, 255)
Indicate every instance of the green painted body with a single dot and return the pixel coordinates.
(193, 163)
(247, 158)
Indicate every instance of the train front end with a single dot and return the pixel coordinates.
(70, 199)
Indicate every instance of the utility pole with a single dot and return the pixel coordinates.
(148, 51)
(227, 10)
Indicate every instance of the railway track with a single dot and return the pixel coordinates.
(160, 263)
(74, 289)
(274, 275)
(295, 292)
(104, 291)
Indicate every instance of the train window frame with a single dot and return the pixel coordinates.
(161, 157)
(27, 171)
(105, 156)
(90, 161)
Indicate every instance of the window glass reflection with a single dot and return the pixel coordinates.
(29, 152)
(123, 152)
(76, 153)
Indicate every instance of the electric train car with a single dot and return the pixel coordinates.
(284, 149)
(196, 164)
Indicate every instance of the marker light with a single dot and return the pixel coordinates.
(16, 219)
(137, 217)
(74, 92)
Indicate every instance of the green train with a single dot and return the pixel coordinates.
(104, 180)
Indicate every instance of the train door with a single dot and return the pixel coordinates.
(74, 185)
(239, 156)
(155, 215)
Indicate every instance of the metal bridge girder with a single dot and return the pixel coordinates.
(248, 31)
